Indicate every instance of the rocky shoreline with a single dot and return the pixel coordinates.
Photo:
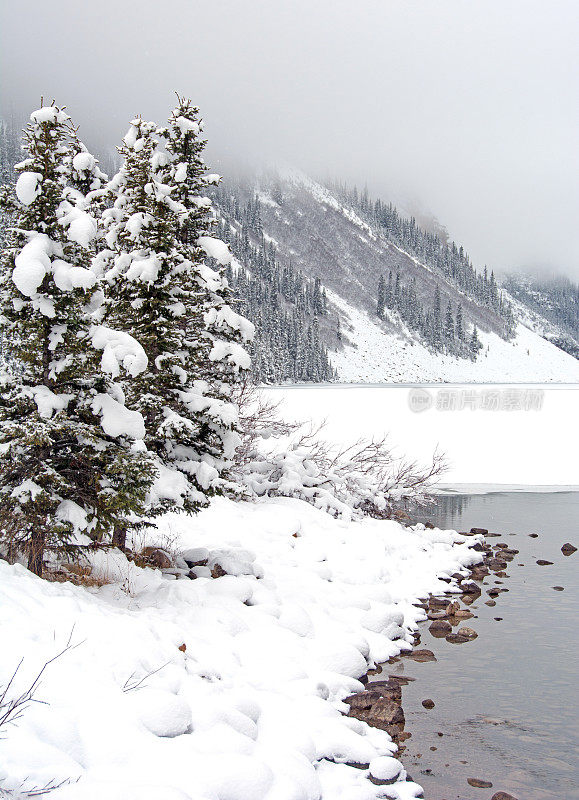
(381, 702)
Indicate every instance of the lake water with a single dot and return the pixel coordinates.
(507, 703)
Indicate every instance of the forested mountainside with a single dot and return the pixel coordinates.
(288, 309)
(398, 302)
(371, 257)
(341, 287)
(551, 306)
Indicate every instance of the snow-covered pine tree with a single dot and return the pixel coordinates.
(475, 344)
(225, 330)
(381, 300)
(459, 324)
(161, 291)
(66, 462)
(449, 329)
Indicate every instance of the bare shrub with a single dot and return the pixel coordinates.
(294, 460)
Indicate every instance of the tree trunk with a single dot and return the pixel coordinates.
(36, 551)
(120, 535)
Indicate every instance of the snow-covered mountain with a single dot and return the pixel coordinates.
(348, 244)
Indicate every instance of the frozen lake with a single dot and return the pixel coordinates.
(521, 435)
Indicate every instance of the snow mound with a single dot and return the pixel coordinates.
(162, 713)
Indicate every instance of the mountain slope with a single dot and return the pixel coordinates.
(325, 238)
(375, 356)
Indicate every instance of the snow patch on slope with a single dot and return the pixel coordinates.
(377, 356)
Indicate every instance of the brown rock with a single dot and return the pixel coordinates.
(479, 530)
(463, 613)
(440, 628)
(182, 647)
(468, 587)
(534, 535)
(218, 571)
(479, 572)
(469, 599)
(468, 632)
(559, 588)
(496, 563)
(428, 703)
(387, 712)
(438, 603)
(568, 549)
(156, 557)
(390, 688)
(403, 680)
(478, 783)
(542, 563)
(503, 796)
(494, 592)
(422, 655)
(490, 602)
(457, 638)
(362, 700)
(498, 619)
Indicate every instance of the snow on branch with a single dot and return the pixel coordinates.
(120, 349)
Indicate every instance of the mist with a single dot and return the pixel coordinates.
(466, 110)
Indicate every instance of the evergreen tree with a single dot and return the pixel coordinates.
(162, 292)
(436, 320)
(475, 344)
(279, 301)
(66, 462)
(449, 324)
(459, 326)
(381, 297)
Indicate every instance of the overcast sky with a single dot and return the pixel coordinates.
(468, 107)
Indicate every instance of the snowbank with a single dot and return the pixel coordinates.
(220, 689)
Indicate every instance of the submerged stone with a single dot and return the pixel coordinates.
(478, 783)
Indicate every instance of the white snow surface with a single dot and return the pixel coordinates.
(32, 264)
(251, 707)
(120, 349)
(378, 356)
(47, 402)
(225, 317)
(215, 248)
(28, 188)
(117, 419)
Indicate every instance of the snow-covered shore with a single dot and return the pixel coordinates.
(251, 708)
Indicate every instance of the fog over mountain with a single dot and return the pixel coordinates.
(467, 109)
